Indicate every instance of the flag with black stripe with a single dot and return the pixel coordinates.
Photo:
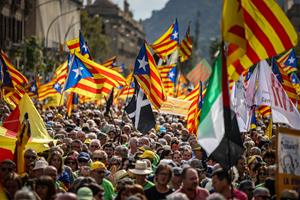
(139, 110)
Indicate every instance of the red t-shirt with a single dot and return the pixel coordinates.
(200, 193)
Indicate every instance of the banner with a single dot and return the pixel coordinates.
(174, 106)
(288, 154)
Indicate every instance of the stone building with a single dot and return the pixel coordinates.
(126, 34)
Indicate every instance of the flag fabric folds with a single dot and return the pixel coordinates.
(168, 76)
(185, 48)
(140, 112)
(90, 79)
(192, 117)
(72, 101)
(168, 42)
(271, 92)
(259, 28)
(218, 131)
(23, 137)
(288, 61)
(147, 75)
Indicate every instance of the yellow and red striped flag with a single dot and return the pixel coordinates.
(91, 79)
(265, 111)
(186, 46)
(168, 84)
(147, 75)
(168, 42)
(259, 28)
(73, 45)
(109, 63)
(288, 62)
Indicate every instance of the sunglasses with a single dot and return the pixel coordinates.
(30, 157)
(97, 158)
(70, 163)
(7, 169)
(82, 161)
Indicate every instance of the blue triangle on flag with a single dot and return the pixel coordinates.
(141, 65)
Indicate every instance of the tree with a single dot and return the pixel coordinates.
(98, 43)
(34, 55)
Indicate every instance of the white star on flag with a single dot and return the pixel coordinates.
(56, 85)
(171, 75)
(84, 47)
(175, 35)
(33, 88)
(291, 60)
(77, 72)
(143, 63)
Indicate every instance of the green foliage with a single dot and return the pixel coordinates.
(34, 54)
(91, 28)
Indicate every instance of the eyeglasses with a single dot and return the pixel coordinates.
(264, 197)
(7, 169)
(98, 158)
(70, 163)
(95, 146)
(82, 161)
(30, 157)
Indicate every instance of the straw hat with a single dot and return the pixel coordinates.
(140, 168)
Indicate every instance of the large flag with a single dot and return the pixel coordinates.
(23, 137)
(140, 112)
(168, 42)
(218, 131)
(90, 79)
(148, 77)
(185, 48)
(73, 45)
(201, 72)
(271, 92)
(39, 135)
(288, 61)
(258, 28)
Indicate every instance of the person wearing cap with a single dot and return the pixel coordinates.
(261, 193)
(85, 193)
(163, 175)
(140, 173)
(98, 172)
(38, 169)
(83, 159)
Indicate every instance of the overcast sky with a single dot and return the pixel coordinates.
(142, 9)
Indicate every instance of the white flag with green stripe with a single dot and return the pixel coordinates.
(211, 128)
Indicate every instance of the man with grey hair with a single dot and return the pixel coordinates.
(94, 145)
(177, 196)
(261, 193)
(24, 194)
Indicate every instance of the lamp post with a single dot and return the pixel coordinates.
(54, 20)
(70, 28)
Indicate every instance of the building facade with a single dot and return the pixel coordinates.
(126, 34)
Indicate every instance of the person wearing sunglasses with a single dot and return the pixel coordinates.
(94, 145)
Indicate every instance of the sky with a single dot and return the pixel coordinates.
(142, 9)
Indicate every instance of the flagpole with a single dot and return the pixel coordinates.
(123, 114)
(110, 114)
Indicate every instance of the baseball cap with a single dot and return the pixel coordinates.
(148, 154)
(98, 165)
(85, 193)
(84, 156)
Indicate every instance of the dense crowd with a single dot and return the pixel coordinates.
(97, 156)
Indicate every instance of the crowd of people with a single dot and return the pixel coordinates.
(96, 156)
